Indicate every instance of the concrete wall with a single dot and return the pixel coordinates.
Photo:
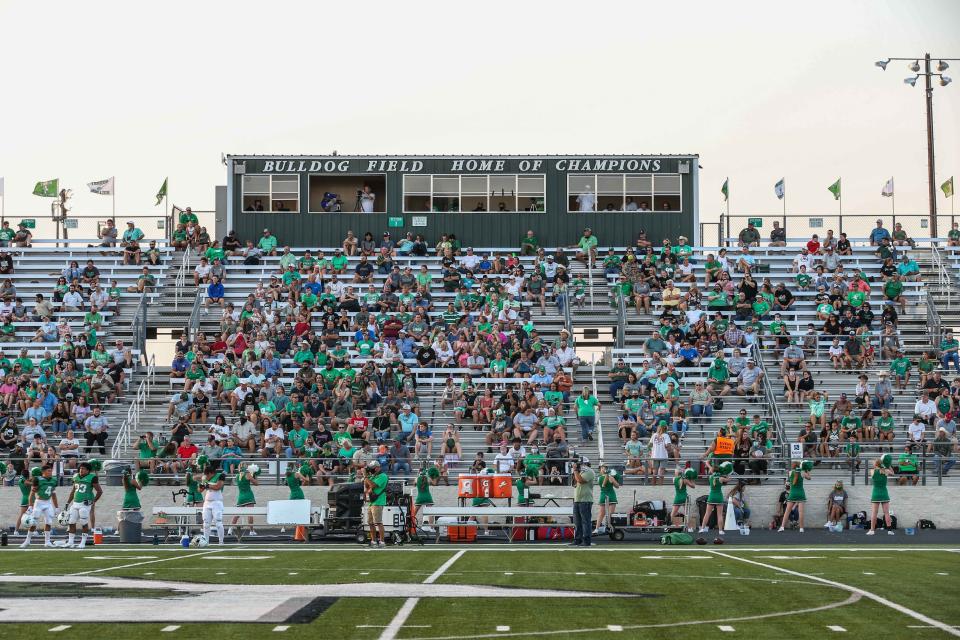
(908, 503)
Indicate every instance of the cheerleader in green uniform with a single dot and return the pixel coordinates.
(194, 496)
(609, 482)
(879, 496)
(715, 499)
(25, 484)
(132, 483)
(246, 479)
(427, 477)
(796, 497)
(682, 480)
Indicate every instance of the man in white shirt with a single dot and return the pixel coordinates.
(915, 430)
(201, 273)
(272, 441)
(367, 198)
(504, 461)
(587, 200)
(925, 408)
(566, 355)
(803, 259)
(73, 301)
(470, 261)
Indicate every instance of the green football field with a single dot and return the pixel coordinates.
(481, 592)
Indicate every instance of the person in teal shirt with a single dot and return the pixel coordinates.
(587, 407)
(268, 243)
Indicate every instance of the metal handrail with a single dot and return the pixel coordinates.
(194, 321)
(621, 318)
(131, 424)
(567, 316)
(593, 380)
(934, 323)
(944, 279)
(138, 325)
(770, 396)
(180, 281)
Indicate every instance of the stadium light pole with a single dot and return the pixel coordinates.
(928, 76)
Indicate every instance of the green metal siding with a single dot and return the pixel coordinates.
(553, 227)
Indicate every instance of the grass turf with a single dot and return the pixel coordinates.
(695, 591)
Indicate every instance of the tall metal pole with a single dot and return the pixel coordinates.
(931, 168)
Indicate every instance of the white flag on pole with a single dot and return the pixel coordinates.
(779, 189)
(101, 187)
(888, 189)
(1, 187)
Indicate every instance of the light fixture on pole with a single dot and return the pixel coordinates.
(914, 65)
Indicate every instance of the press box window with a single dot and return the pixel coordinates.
(271, 193)
(470, 192)
(666, 193)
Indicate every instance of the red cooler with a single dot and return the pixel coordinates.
(468, 486)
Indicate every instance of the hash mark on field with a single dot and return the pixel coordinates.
(292, 573)
(614, 627)
(942, 573)
(364, 573)
(508, 573)
(834, 627)
(725, 627)
(221, 573)
(581, 573)
(170, 627)
(869, 573)
(281, 627)
(653, 574)
(149, 573)
(724, 573)
(502, 627)
(61, 627)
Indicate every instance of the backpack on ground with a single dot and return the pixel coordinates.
(676, 538)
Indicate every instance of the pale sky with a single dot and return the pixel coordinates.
(760, 90)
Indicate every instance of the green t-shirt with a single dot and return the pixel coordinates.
(584, 492)
(900, 366)
(45, 487)
(83, 487)
(244, 490)
(378, 496)
(587, 406)
(856, 298)
(586, 243)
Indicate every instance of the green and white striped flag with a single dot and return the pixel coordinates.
(947, 188)
(47, 188)
(162, 193)
(835, 189)
(725, 189)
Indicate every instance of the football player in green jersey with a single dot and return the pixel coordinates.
(84, 494)
(212, 487)
(43, 502)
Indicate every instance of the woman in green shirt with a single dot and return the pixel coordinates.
(880, 497)
(796, 497)
(246, 479)
(147, 452)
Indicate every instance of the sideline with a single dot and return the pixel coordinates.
(855, 590)
(397, 623)
(501, 548)
(137, 564)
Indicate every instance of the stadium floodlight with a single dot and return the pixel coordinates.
(925, 70)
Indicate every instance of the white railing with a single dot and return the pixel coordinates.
(180, 281)
(131, 424)
(593, 380)
(942, 273)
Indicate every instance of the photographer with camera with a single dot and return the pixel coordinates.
(583, 480)
(375, 492)
(366, 198)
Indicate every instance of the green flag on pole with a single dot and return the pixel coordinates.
(162, 193)
(947, 188)
(835, 189)
(47, 188)
(725, 189)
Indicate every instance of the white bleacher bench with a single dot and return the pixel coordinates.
(181, 519)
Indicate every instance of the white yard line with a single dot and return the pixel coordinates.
(137, 564)
(397, 623)
(866, 594)
(446, 548)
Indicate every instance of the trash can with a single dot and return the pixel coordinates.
(113, 473)
(131, 527)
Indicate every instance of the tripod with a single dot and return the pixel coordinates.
(358, 206)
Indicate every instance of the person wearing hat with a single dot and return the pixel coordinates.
(132, 233)
(583, 479)
(587, 247)
(268, 243)
(375, 493)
